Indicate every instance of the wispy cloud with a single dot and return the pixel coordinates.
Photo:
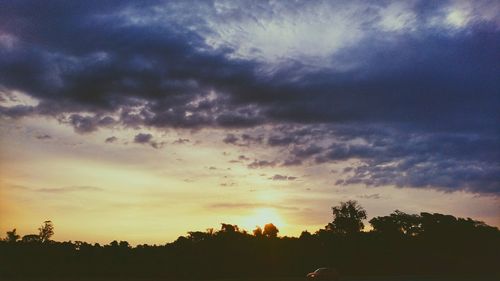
(44, 137)
(67, 189)
(278, 177)
(250, 206)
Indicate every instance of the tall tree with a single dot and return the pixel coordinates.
(46, 231)
(347, 218)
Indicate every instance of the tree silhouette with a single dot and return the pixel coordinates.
(270, 230)
(12, 236)
(397, 223)
(347, 218)
(31, 238)
(229, 228)
(400, 243)
(257, 231)
(198, 236)
(46, 231)
(124, 244)
(305, 235)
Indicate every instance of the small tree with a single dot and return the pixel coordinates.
(270, 230)
(12, 236)
(305, 235)
(347, 218)
(124, 245)
(46, 231)
(229, 228)
(31, 238)
(257, 232)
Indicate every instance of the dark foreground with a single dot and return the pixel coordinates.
(346, 278)
(400, 246)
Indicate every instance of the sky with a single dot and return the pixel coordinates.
(140, 121)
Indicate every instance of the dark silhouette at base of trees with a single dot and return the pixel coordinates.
(398, 244)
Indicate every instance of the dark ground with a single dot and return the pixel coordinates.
(345, 278)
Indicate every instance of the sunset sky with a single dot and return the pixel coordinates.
(142, 120)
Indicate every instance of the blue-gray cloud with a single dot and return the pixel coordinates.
(410, 89)
(146, 138)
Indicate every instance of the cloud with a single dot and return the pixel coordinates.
(444, 161)
(423, 75)
(143, 138)
(69, 189)
(87, 124)
(243, 140)
(369, 196)
(292, 162)
(43, 137)
(280, 140)
(181, 141)
(307, 151)
(111, 139)
(256, 164)
(146, 138)
(230, 139)
(243, 158)
(278, 177)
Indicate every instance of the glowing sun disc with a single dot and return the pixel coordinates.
(262, 216)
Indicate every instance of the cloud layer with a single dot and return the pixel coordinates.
(408, 90)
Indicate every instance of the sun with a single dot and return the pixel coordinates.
(262, 216)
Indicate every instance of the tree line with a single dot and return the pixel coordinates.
(398, 243)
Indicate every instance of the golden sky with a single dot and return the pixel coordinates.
(98, 192)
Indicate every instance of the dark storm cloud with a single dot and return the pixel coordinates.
(448, 161)
(17, 111)
(280, 141)
(307, 151)
(434, 90)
